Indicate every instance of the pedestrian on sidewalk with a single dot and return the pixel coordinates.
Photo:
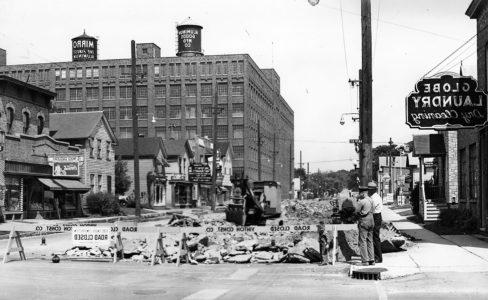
(323, 244)
(377, 209)
(364, 214)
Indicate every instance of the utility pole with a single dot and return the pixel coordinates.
(259, 150)
(215, 111)
(390, 142)
(299, 176)
(274, 156)
(366, 103)
(135, 130)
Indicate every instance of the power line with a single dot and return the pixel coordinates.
(344, 41)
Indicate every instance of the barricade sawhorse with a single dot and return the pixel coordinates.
(159, 249)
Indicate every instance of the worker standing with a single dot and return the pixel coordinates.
(377, 209)
(364, 214)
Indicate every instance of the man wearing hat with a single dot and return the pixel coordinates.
(364, 214)
(377, 208)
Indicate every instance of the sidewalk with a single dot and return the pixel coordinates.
(432, 252)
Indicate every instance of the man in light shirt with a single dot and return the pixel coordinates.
(377, 208)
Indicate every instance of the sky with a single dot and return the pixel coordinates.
(314, 49)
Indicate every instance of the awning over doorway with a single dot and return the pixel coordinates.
(72, 185)
(50, 184)
(64, 185)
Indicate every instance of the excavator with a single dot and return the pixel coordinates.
(253, 204)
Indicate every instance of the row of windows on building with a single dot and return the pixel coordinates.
(26, 121)
(177, 132)
(159, 70)
(96, 183)
(125, 92)
(160, 111)
(97, 151)
(468, 173)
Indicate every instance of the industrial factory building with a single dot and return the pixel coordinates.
(175, 96)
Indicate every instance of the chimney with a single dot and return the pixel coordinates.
(3, 57)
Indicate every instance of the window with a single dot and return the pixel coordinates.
(75, 109)
(222, 131)
(57, 74)
(237, 89)
(462, 173)
(191, 90)
(40, 124)
(233, 69)
(238, 171)
(238, 152)
(160, 111)
(96, 72)
(222, 111)
(109, 184)
(175, 112)
(156, 71)
(92, 147)
(238, 109)
(99, 148)
(473, 172)
(125, 92)
(175, 90)
(88, 72)
(99, 183)
(92, 93)
(191, 131)
(142, 131)
(142, 92)
(125, 132)
(61, 94)
(125, 113)
(206, 111)
(190, 111)
(160, 91)
(238, 131)
(207, 130)
(72, 73)
(175, 132)
(125, 71)
(109, 113)
(161, 132)
(63, 73)
(144, 50)
(240, 67)
(75, 94)
(26, 121)
(105, 72)
(92, 109)
(142, 112)
(79, 73)
(222, 89)
(108, 92)
(206, 89)
(92, 182)
(108, 72)
(10, 119)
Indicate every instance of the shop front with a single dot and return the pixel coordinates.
(182, 193)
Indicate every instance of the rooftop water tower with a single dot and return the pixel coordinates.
(189, 38)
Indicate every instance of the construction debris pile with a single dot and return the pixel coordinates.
(85, 253)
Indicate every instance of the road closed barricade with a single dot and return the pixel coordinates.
(104, 234)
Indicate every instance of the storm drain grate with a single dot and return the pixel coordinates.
(368, 273)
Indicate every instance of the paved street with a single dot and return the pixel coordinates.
(99, 280)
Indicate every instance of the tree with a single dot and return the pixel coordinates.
(122, 179)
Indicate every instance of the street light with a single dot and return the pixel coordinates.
(355, 117)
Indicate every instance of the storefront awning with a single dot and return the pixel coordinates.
(50, 184)
(72, 185)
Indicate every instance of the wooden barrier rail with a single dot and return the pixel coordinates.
(131, 227)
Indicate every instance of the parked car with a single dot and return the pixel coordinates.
(126, 201)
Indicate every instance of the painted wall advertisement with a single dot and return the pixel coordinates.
(66, 165)
(446, 102)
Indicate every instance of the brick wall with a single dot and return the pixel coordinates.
(451, 166)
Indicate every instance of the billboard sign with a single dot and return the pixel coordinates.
(199, 172)
(446, 102)
(66, 165)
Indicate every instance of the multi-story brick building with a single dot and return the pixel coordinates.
(177, 93)
(28, 155)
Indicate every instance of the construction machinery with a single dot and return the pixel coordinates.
(254, 204)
